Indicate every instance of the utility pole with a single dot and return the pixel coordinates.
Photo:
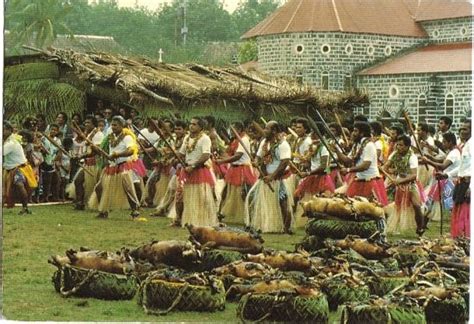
(184, 29)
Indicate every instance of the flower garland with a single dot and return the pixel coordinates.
(268, 151)
(400, 163)
(192, 146)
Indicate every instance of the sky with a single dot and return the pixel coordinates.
(230, 5)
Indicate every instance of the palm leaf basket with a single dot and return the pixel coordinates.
(216, 258)
(159, 297)
(339, 229)
(283, 308)
(73, 281)
(381, 286)
(371, 314)
(450, 310)
(338, 292)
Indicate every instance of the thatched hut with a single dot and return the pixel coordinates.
(64, 80)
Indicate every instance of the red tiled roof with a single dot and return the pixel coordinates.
(423, 10)
(386, 17)
(429, 59)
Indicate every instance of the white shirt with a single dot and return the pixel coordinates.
(282, 152)
(98, 138)
(125, 143)
(455, 157)
(203, 146)
(244, 159)
(464, 168)
(13, 154)
(429, 140)
(316, 158)
(369, 153)
(152, 137)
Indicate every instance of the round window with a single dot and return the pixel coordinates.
(435, 33)
(325, 49)
(388, 50)
(370, 50)
(349, 49)
(393, 92)
(463, 31)
(299, 49)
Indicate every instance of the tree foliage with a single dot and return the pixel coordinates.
(139, 30)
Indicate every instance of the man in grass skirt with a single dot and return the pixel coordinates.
(409, 194)
(195, 202)
(239, 178)
(460, 215)
(18, 176)
(267, 204)
(84, 182)
(116, 189)
(315, 181)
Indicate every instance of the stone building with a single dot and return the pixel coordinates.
(408, 54)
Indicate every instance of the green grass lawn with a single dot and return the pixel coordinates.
(28, 241)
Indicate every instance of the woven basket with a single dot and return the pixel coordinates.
(159, 297)
(453, 310)
(73, 281)
(338, 293)
(339, 229)
(383, 285)
(391, 314)
(216, 258)
(286, 308)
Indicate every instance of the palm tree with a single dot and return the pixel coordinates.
(39, 21)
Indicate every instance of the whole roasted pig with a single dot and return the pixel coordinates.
(283, 260)
(172, 253)
(244, 270)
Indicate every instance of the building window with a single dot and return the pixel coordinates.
(299, 77)
(370, 50)
(449, 104)
(435, 33)
(299, 48)
(349, 49)
(393, 91)
(347, 81)
(325, 49)
(422, 108)
(325, 80)
(388, 50)
(463, 31)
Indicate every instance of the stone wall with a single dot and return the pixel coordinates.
(449, 30)
(425, 96)
(308, 56)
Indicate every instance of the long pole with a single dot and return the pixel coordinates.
(329, 131)
(412, 132)
(162, 135)
(440, 206)
(237, 136)
(321, 138)
(78, 130)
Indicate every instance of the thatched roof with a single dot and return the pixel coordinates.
(145, 83)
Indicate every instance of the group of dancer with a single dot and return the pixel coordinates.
(255, 173)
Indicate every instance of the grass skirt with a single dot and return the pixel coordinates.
(166, 204)
(425, 176)
(233, 208)
(400, 214)
(291, 183)
(238, 174)
(460, 220)
(199, 205)
(161, 187)
(115, 190)
(262, 206)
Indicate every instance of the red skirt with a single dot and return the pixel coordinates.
(402, 195)
(240, 174)
(220, 170)
(434, 190)
(315, 184)
(116, 169)
(372, 188)
(139, 168)
(460, 220)
(197, 176)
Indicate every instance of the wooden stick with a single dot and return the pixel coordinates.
(78, 130)
(412, 132)
(63, 151)
(162, 135)
(338, 121)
